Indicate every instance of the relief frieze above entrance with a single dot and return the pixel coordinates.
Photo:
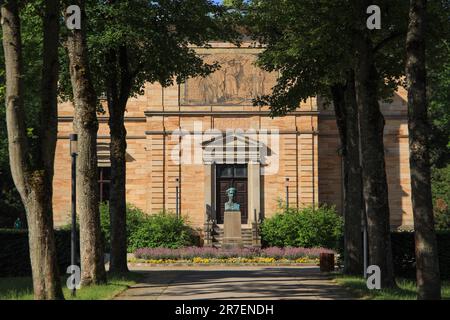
(235, 83)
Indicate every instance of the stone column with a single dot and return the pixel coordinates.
(254, 190)
(208, 203)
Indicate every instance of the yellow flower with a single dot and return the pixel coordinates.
(265, 260)
(201, 260)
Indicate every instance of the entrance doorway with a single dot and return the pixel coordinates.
(231, 175)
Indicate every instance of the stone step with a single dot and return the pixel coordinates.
(243, 234)
(246, 231)
(220, 239)
(243, 229)
(219, 245)
(217, 236)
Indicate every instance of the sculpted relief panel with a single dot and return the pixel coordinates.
(237, 82)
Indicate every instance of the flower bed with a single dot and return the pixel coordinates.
(205, 255)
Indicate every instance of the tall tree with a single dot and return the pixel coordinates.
(427, 263)
(299, 48)
(346, 111)
(32, 168)
(136, 42)
(298, 36)
(86, 126)
(371, 132)
(11, 206)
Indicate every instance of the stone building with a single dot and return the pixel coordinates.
(205, 135)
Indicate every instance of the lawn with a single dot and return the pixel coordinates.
(22, 288)
(406, 289)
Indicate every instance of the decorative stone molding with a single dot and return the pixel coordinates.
(235, 148)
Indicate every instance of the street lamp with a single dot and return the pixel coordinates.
(177, 187)
(73, 153)
(286, 185)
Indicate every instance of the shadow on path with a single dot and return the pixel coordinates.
(224, 282)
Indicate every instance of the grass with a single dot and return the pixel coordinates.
(22, 288)
(406, 289)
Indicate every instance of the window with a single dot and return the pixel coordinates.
(104, 181)
(240, 171)
(232, 171)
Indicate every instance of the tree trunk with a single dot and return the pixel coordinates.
(371, 131)
(86, 125)
(427, 263)
(344, 100)
(375, 187)
(33, 174)
(38, 204)
(117, 202)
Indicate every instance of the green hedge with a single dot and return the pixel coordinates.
(163, 229)
(305, 227)
(15, 255)
(441, 197)
(404, 254)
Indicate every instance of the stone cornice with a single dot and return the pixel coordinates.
(392, 116)
(223, 113)
(103, 119)
(102, 137)
(268, 131)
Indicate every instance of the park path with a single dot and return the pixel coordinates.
(233, 282)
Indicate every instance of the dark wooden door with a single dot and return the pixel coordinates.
(231, 176)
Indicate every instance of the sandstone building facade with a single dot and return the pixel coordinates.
(205, 135)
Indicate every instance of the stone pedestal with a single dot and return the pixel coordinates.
(232, 233)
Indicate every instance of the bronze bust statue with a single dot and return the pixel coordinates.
(230, 205)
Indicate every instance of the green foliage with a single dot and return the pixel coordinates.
(405, 290)
(15, 252)
(438, 81)
(150, 41)
(161, 230)
(404, 259)
(305, 227)
(21, 288)
(442, 219)
(300, 35)
(135, 218)
(439, 110)
(158, 230)
(440, 188)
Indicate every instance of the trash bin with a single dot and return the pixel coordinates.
(327, 262)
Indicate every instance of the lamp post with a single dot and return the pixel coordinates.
(177, 187)
(73, 153)
(365, 248)
(286, 185)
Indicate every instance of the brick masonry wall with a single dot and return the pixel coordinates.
(308, 155)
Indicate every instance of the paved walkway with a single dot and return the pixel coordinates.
(228, 282)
